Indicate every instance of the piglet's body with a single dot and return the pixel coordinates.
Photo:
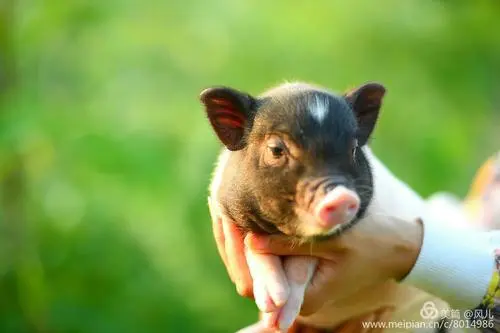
(296, 163)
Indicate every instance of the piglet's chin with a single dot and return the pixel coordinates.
(338, 207)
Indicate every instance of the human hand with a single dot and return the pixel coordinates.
(229, 241)
(378, 253)
(376, 250)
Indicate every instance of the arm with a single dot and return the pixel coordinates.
(461, 262)
(454, 264)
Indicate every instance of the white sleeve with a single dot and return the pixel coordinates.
(455, 264)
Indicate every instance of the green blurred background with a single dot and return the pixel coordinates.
(106, 153)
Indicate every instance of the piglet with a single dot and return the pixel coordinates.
(292, 165)
(296, 163)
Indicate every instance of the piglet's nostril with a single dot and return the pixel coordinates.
(330, 208)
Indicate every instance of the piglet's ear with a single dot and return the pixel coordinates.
(228, 111)
(366, 102)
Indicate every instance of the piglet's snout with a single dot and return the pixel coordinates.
(340, 205)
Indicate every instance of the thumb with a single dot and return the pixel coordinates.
(280, 245)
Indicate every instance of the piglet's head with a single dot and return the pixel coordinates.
(296, 165)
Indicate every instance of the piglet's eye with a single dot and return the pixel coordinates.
(276, 151)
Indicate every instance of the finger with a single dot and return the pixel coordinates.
(235, 251)
(362, 327)
(219, 235)
(382, 316)
(295, 328)
(299, 270)
(356, 325)
(310, 329)
(268, 270)
(284, 246)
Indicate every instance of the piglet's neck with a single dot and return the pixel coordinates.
(391, 196)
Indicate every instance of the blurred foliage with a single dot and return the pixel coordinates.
(106, 153)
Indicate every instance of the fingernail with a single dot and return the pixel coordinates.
(239, 288)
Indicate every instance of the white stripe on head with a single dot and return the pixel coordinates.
(318, 107)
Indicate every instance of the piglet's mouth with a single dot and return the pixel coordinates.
(337, 208)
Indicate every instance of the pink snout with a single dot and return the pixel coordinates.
(339, 206)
